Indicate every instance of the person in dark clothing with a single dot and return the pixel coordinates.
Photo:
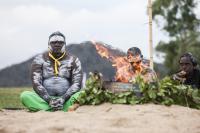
(189, 73)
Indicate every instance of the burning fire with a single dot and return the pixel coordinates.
(123, 73)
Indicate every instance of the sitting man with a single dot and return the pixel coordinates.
(188, 74)
(139, 67)
(56, 78)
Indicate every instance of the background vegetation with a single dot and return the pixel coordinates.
(181, 25)
(10, 97)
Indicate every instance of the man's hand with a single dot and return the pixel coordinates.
(56, 103)
(180, 76)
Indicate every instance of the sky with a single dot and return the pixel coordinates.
(26, 24)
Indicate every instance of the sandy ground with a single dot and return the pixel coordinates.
(104, 118)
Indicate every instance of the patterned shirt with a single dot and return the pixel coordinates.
(147, 74)
(46, 83)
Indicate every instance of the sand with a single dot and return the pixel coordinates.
(105, 118)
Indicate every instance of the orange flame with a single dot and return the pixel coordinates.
(123, 73)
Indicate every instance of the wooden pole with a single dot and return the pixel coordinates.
(150, 34)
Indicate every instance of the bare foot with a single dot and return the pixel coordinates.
(73, 107)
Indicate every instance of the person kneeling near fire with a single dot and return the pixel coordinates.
(138, 66)
(56, 78)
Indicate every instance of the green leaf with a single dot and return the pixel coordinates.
(120, 101)
(152, 94)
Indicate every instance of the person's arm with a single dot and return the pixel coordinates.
(37, 79)
(76, 79)
(150, 76)
(179, 76)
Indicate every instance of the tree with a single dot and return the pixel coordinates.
(182, 26)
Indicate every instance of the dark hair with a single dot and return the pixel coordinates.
(135, 51)
(191, 57)
(57, 33)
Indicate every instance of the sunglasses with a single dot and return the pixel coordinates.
(137, 62)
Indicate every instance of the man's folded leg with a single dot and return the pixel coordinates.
(33, 101)
(71, 101)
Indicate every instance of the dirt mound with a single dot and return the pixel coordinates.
(106, 118)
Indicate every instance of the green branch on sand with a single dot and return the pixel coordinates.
(165, 92)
